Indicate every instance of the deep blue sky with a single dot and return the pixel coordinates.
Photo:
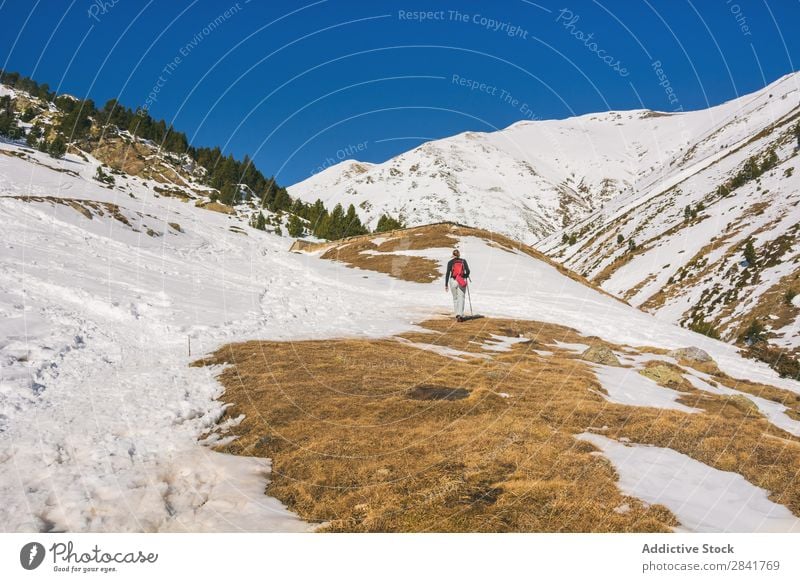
(298, 84)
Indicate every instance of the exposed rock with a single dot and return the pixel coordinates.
(600, 355)
(217, 207)
(744, 404)
(663, 374)
(692, 354)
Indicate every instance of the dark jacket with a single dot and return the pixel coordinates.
(449, 273)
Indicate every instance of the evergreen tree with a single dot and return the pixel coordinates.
(229, 194)
(76, 123)
(28, 114)
(322, 227)
(103, 177)
(299, 208)
(34, 135)
(8, 123)
(387, 223)
(769, 161)
(258, 221)
(352, 223)
(337, 226)
(620, 239)
(754, 333)
(750, 253)
(295, 227)
(315, 213)
(57, 147)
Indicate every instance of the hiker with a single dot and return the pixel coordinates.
(458, 271)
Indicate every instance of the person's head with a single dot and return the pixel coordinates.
(456, 254)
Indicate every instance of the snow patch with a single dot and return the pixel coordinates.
(703, 498)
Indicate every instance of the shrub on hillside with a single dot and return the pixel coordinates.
(705, 328)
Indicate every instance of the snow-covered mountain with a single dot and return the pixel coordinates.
(111, 289)
(535, 177)
(607, 194)
(680, 248)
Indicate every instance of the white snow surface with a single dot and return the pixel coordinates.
(775, 412)
(524, 180)
(101, 417)
(704, 499)
(627, 386)
(502, 343)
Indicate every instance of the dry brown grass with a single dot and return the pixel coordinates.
(419, 269)
(88, 208)
(352, 448)
(407, 268)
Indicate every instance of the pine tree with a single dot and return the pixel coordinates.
(337, 225)
(282, 200)
(769, 161)
(28, 114)
(620, 239)
(77, 123)
(229, 194)
(57, 147)
(754, 333)
(34, 135)
(295, 227)
(322, 228)
(8, 123)
(352, 223)
(261, 221)
(387, 223)
(750, 253)
(101, 176)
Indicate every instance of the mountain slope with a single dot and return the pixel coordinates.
(481, 425)
(682, 251)
(535, 177)
(657, 208)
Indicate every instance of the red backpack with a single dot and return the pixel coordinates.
(458, 272)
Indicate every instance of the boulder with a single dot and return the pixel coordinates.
(663, 374)
(600, 355)
(692, 354)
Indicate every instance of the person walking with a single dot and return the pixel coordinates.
(456, 281)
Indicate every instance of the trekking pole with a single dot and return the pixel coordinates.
(471, 314)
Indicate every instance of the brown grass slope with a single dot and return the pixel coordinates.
(355, 448)
(381, 258)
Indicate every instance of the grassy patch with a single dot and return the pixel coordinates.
(353, 450)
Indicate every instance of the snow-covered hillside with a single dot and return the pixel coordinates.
(679, 250)
(104, 289)
(535, 177)
(102, 292)
(629, 199)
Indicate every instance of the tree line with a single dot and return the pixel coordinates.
(232, 179)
